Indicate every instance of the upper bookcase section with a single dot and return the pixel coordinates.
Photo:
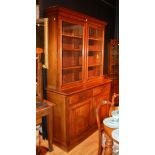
(76, 49)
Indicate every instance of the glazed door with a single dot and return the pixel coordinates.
(72, 48)
(94, 52)
(114, 58)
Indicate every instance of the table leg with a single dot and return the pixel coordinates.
(50, 129)
(108, 146)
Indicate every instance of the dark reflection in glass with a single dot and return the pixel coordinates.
(40, 35)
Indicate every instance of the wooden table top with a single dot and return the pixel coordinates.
(43, 110)
(49, 104)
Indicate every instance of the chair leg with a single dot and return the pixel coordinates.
(37, 150)
(108, 146)
(38, 147)
(100, 148)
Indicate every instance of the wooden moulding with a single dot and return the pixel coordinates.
(74, 14)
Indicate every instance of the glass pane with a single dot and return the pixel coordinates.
(72, 29)
(71, 75)
(115, 49)
(71, 59)
(72, 45)
(40, 35)
(94, 58)
(115, 69)
(41, 52)
(94, 71)
(115, 59)
(94, 52)
(95, 32)
(115, 54)
(95, 45)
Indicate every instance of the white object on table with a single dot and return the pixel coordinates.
(115, 134)
(111, 122)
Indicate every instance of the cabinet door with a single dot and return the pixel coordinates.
(95, 52)
(72, 51)
(79, 118)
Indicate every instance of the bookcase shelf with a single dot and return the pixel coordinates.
(72, 67)
(71, 49)
(71, 36)
(95, 38)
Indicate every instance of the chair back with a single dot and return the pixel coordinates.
(114, 103)
(102, 111)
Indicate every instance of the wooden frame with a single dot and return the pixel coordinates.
(56, 16)
(44, 21)
(60, 51)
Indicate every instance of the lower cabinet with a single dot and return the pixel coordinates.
(75, 113)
